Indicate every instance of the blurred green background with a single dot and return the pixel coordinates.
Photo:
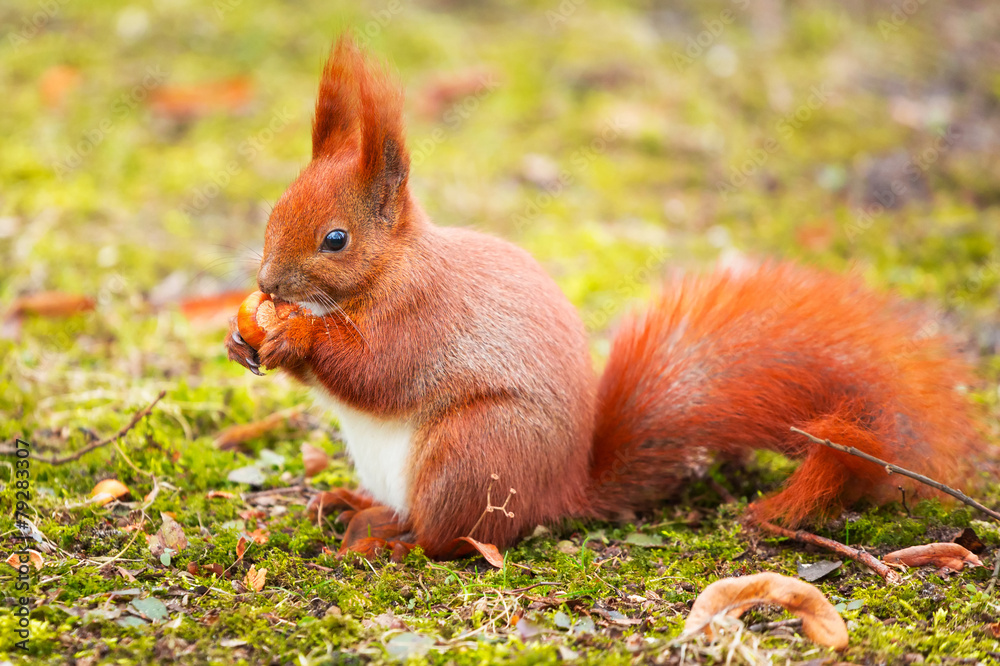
(605, 137)
(143, 143)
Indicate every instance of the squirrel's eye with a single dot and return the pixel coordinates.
(334, 241)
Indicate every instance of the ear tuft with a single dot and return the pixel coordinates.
(384, 162)
(335, 122)
(360, 107)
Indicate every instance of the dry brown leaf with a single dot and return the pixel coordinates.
(234, 436)
(314, 458)
(969, 539)
(170, 535)
(448, 90)
(241, 548)
(487, 550)
(255, 579)
(32, 557)
(220, 494)
(56, 83)
(214, 310)
(733, 596)
(51, 304)
(260, 536)
(950, 555)
(107, 490)
(214, 568)
(191, 101)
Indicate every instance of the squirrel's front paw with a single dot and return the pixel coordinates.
(287, 344)
(240, 351)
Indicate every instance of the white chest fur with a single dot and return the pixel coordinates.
(380, 449)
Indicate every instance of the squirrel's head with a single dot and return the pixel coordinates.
(335, 227)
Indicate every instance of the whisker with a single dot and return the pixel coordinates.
(326, 299)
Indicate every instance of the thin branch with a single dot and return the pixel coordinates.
(896, 469)
(284, 490)
(996, 572)
(519, 590)
(859, 556)
(768, 626)
(56, 460)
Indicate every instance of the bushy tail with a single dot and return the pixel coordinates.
(728, 362)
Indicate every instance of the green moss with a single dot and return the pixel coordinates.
(646, 148)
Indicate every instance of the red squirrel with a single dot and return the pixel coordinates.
(459, 370)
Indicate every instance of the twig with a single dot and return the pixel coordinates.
(996, 572)
(284, 490)
(138, 416)
(489, 504)
(722, 491)
(317, 567)
(902, 499)
(896, 469)
(860, 556)
(518, 590)
(767, 626)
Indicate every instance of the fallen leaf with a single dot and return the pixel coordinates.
(169, 539)
(56, 83)
(734, 596)
(644, 540)
(29, 556)
(214, 568)
(487, 550)
(220, 494)
(107, 490)
(969, 539)
(614, 617)
(131, 621)
(260, 536)
(251, 475)
(241, 548)
(950, 555)
(314, 459)
(526, 629)
(51, 304)
(994, 629)
(567, 547)
(192, 101)
(268, 458)
(448, 91)
(236, 435)
(126, 574)
(817, 237)
(151, 608)
(813, 572)
(584, 625)
(384, 621)
(215, 309)
(406, 645)
(566, 654)
(255, 579)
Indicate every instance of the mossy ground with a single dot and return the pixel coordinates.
(661, 137)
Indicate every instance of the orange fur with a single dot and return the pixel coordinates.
(464, 340)
(730, 362)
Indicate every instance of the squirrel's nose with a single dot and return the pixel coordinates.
(266, 280)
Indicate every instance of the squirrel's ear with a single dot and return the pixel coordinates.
(335, 122)
(384, 162)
